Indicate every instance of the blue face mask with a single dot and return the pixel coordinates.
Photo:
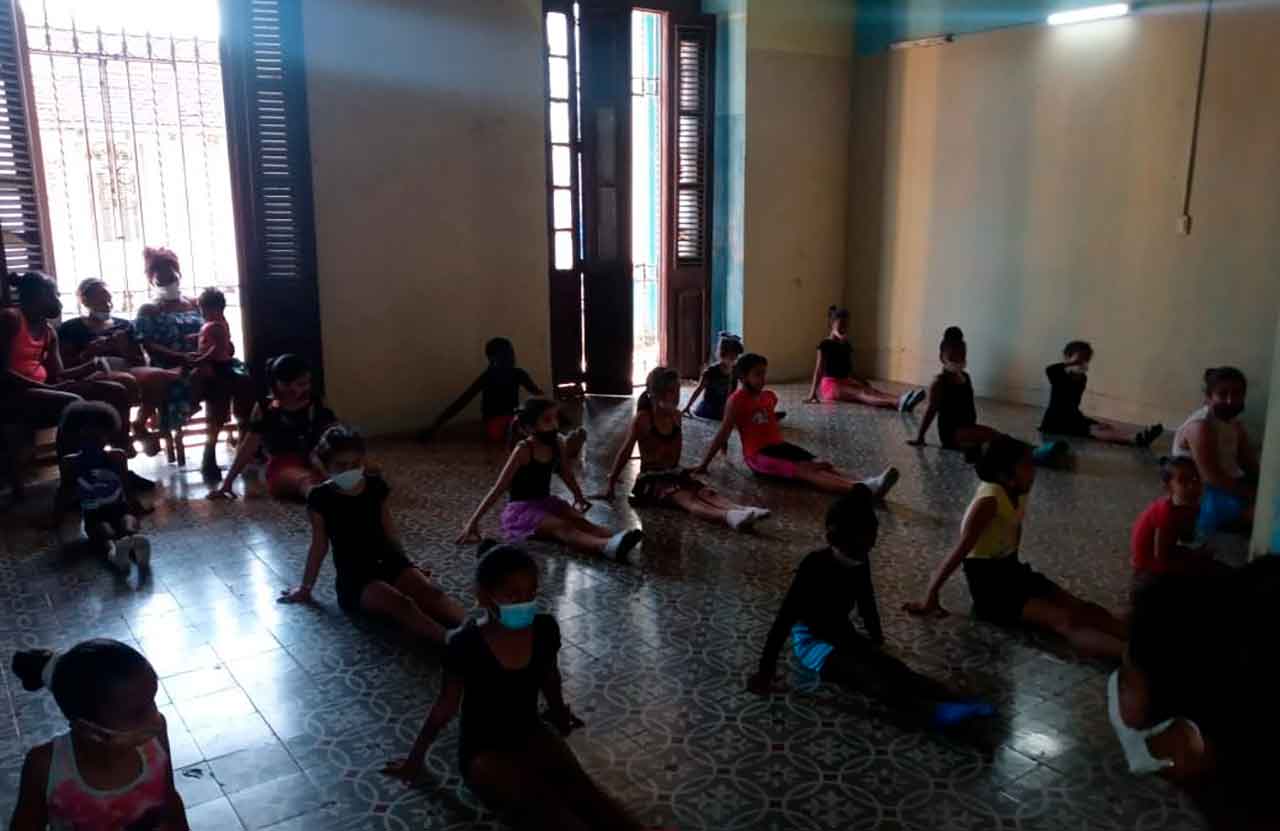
(517, 615)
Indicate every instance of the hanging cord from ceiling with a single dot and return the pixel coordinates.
(1184, 221)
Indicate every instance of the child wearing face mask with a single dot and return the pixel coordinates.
(532, 511)
(112, 769)
(751, 411)
(495, 671)
(951, 402)
(827, 587)
(1005, 590)
(833, 373)
(1227, 460)
(662, 482)
(349, 513)
(1067, 381)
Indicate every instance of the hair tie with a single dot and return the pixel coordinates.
(46, 674)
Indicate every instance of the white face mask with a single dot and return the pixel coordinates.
(100, 316)
(170, 292)
(348, 480)
(1132, 740)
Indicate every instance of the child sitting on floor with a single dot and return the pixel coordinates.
(102, 477)
(1067, 381)
(1164, 537)
(751, 412)
(112, 769)
(532, 511)
(656, 428)
(494, 673)
(349, 511)
(499, 390)
(833, 377)
(827, 587)
(716, 382)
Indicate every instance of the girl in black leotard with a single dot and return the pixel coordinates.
(532, 510)
(662, 482)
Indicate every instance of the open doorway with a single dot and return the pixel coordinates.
(648, 160)
(131, 125)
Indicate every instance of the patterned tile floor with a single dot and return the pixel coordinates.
(281, 716)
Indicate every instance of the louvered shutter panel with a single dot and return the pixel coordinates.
(19, 196)
(271, 159)
(691, 95)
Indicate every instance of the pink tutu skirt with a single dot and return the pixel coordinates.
(520, 520)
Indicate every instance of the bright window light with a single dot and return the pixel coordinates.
(1089, 13)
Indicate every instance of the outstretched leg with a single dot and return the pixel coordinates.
(381, 598)
(430, 598)
(515, 782)
(1063, 618)
(591, 539)
(891, 682)
(576, 787)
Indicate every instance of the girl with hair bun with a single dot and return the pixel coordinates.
(717, 380)
(111, 771)
(833, 378)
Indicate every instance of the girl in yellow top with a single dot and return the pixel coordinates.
(1004, 589)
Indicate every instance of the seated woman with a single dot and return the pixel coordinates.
(1220, 446)
(98, 334)
(35, 386)
(1067, 381)
(1192, 702)
(287, 427)
(168, 327)
(833, 373)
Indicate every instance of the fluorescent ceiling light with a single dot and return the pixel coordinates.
(1089, 13)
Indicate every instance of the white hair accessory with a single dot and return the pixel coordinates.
(46, 675)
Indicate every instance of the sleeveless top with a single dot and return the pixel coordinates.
(956, 409)
(662, 440)
(533, 480)
(1225, 433)
(1000, 538)
(756, 421)
(26, 355)
(74, 805)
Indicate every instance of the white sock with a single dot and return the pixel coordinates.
(740, 519)
(882, 484)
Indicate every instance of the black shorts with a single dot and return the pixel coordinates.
(386, 568)
(1001, 587)
(112, 516)
(787, 452)
(1077, 425)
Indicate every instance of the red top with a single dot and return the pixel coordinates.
(754, 417)
(26, 355)
(1175, 522)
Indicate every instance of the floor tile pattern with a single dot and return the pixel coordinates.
(280, 717)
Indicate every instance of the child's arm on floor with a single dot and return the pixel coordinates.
(445, 708)
(392, 533)
(519, 458)
(315, 558)
(177, 819)
(558, 713)
(930, 413)
(245, 452)
(761, 683)
(817, 375)
(697, 391)
(721, 439)
(456, 407)
(868, 609)
(570, 479)
(975, 522)
(624, 456)
(32, 811)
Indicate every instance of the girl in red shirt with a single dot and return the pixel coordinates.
(751, 409)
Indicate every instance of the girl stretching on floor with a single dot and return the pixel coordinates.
(112, 769)
(751, 411)
(532, 510)
(1067, 381)
(827, 587)
(656, 428)
(1005, 590)
(288, 428)
(833, 373)
(499, 390)
(717, 381)
(494, 672)
(349, 510)
(951, 403)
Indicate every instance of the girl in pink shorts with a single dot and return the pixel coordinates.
(833, 373)
(751, 409)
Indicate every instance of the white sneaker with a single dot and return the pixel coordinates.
(904, 401)
(621, 544)
(741, 519)
(882, 484)
(118, 554)
(141, 552)
(761, 513)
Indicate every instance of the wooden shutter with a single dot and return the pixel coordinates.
(266, 93)
(692, 110)
(20, 196)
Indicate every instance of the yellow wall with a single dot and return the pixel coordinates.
(428, 141)
(1026, 185)
(797, 167)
